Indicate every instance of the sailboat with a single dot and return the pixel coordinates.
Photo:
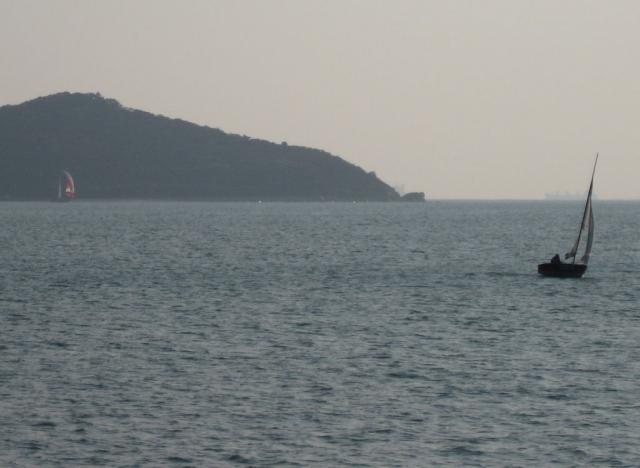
(66, 187)
(558, 268)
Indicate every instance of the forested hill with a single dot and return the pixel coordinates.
(116, 152)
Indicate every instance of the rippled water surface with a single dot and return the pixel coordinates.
(222, 334)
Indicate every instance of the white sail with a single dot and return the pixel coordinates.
(587, 221)
(587, 252)
(583, 224)
(574, 249)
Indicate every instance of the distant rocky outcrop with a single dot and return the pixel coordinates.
(413, 197)
(116, 152)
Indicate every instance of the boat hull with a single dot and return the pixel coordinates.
(562, 270)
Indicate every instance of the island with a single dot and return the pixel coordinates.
(116, 152)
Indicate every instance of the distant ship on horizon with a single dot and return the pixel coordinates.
(567, 196)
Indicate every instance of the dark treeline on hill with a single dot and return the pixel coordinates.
(116, 152)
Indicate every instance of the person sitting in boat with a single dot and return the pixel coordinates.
(556, 259)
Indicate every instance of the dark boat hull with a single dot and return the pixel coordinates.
(562, 270)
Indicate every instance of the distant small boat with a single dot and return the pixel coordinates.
(557, 267)
(66, 187)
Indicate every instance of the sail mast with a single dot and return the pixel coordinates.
(587, 204)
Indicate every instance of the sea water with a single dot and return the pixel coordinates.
(321, 334)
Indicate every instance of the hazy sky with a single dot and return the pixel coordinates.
(460, 99)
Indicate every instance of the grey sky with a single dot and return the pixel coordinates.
(460, 99)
